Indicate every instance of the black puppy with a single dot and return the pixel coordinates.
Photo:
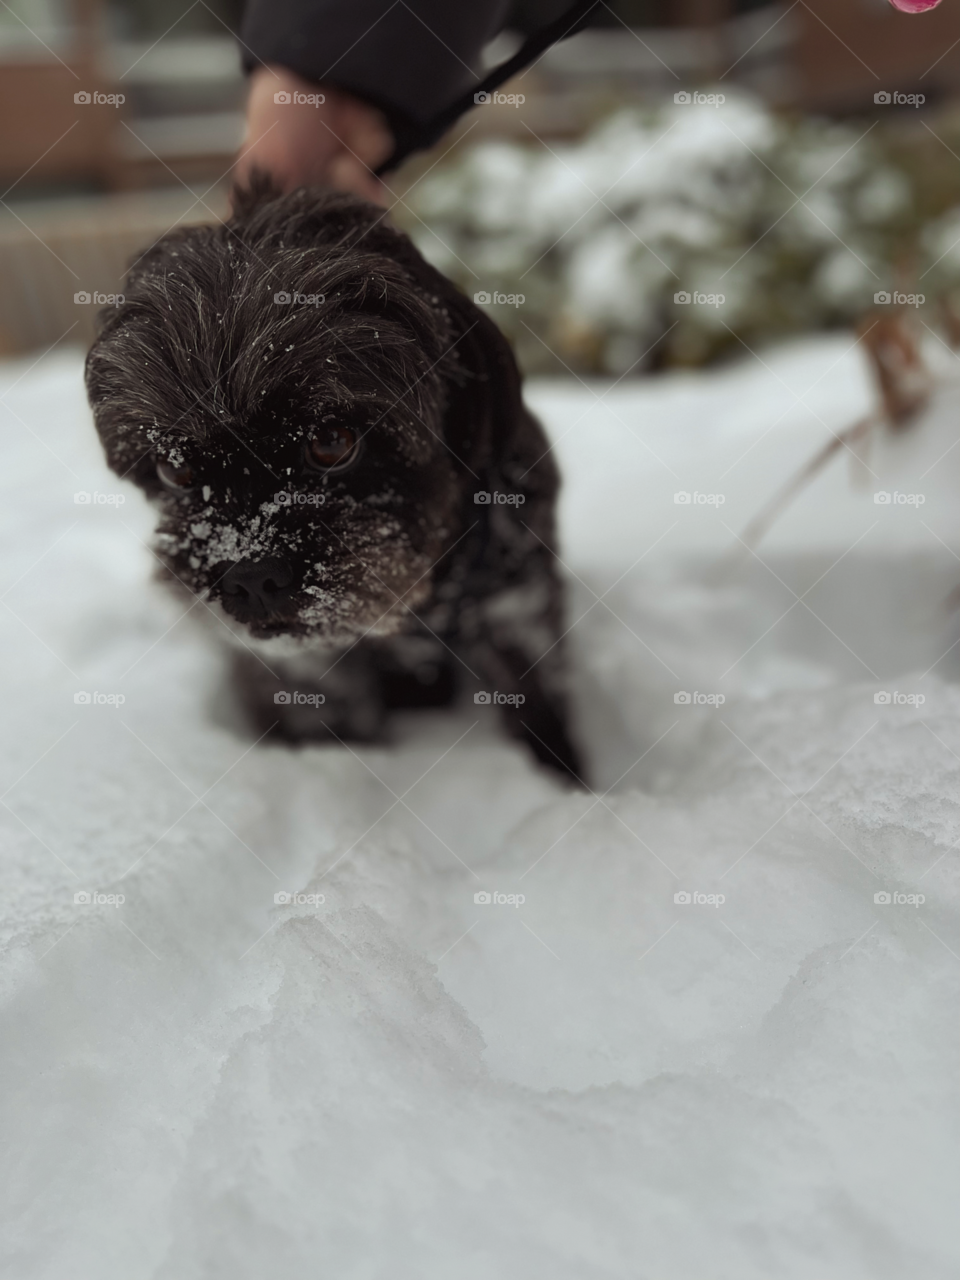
(335, 440)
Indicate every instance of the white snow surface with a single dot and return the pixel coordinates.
(602, 1081)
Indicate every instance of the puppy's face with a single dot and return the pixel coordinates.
(277, 387)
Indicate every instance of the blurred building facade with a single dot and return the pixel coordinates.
(105, 99)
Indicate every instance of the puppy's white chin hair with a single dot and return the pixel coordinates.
(340, 636)
(274, 647)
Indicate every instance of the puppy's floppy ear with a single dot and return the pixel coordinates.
(488, 425)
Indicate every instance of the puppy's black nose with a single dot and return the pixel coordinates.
(256, 586)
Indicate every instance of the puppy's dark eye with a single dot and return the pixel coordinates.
(177, 479)
(332, 448)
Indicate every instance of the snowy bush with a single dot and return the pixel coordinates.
(794, 223)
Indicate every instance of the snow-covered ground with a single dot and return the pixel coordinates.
(602, 1081)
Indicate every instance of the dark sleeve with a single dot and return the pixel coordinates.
(411, 58)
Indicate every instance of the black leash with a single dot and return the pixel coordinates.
(421, 136)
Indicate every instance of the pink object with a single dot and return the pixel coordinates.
(914, 6)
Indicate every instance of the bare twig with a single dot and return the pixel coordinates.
(903, 385)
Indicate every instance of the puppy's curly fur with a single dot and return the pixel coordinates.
(381, 580)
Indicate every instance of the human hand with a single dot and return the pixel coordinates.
(338, 142)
